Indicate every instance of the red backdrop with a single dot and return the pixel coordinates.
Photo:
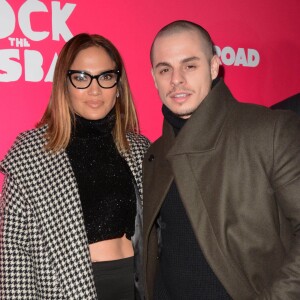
(258, 42)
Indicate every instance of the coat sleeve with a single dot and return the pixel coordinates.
(17, 276)
(286, 184)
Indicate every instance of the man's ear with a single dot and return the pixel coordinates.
(152, 73)
(214, 66)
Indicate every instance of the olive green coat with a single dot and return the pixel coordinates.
(237, 169)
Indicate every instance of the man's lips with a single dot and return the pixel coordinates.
(179, 96)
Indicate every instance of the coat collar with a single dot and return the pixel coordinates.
(201, 132)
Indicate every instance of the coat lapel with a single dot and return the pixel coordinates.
(198, 138)
(202, 130)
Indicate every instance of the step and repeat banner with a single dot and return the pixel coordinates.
(257, 41)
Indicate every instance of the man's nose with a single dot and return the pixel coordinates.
(177, 77)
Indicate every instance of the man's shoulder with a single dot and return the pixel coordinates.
(291, 103)
(249, 112)
(256, 122)
(157, 142)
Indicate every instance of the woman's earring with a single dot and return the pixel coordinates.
(117, 94)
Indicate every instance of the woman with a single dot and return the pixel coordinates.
(72, 191)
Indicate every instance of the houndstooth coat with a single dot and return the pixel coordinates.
(44, 250)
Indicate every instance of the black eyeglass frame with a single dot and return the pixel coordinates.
(70, 72)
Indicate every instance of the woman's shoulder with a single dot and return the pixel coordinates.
(138, 139)
(25, 148)
(26, 140)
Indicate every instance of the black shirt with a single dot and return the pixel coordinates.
(104, 180)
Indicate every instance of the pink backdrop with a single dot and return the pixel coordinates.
(258, 42)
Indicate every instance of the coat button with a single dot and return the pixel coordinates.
(151, 157)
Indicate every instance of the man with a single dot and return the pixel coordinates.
(221, 185)
(290, 103)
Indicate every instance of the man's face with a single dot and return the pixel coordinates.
(183, 71)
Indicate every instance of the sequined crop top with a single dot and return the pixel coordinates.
(104, 180)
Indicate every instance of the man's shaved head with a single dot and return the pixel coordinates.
(183, 25)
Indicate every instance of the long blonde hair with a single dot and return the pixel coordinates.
(59, 115)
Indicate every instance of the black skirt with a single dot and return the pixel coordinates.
(114, 279)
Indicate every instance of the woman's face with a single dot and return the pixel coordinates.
(93, 102)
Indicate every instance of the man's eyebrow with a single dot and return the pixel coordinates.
(188, 59)
(185, 60)
(162, 64)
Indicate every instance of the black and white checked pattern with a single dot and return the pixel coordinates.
(43, 245)
(138, 146)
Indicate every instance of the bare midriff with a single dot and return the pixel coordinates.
(111, 249)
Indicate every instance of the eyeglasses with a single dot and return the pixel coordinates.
(82, 80)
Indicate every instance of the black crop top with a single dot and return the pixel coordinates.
(104, 180)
